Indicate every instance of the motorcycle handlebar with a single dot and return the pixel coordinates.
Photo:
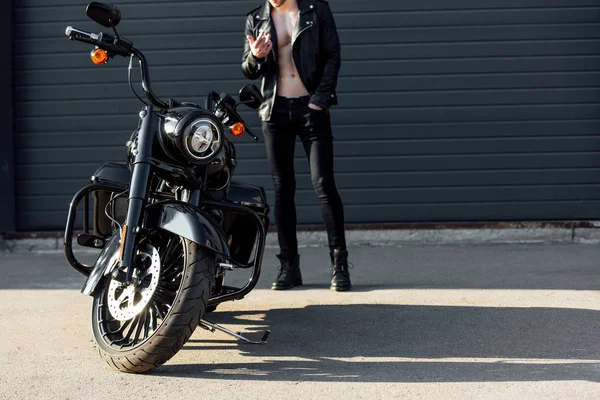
(119, 47)
(146, 79)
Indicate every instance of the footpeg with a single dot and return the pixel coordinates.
(211, 326)
(227, 267)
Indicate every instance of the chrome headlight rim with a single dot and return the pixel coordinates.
(213, 139)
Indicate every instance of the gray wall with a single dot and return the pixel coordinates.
(449, 111)
(7, 178)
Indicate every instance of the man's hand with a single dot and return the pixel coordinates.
(262, 46)
(315, 107)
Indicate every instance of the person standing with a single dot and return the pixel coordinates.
(293, 46)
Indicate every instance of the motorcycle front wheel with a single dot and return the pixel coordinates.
(140, 327)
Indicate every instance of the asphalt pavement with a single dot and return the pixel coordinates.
(512, 321)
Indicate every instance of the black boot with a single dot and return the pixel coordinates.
(340, 280)
(289, 274)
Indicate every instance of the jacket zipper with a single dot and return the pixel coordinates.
(310, 25)
(276, 70)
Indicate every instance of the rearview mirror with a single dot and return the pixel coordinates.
(250, 95)
(105, 14)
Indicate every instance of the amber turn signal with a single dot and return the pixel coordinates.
(99, 56)
(238, 129)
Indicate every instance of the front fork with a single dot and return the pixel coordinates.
(138, 195)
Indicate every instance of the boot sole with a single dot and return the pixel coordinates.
(340, 288)
(274, 287)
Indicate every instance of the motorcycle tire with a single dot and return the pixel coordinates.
(186, 283)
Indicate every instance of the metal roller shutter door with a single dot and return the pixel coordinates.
(449, 111)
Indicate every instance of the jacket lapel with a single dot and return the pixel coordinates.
(306, 19)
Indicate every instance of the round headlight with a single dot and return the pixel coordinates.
(202, 140)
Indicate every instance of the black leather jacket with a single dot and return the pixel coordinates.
(315, 49)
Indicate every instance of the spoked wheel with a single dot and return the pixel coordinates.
(141, 326)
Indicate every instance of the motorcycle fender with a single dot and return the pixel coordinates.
(188, 222)
(178, 218)
(109, 258)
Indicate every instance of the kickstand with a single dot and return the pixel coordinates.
(211, 326)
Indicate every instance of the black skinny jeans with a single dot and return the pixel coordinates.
(292, 117)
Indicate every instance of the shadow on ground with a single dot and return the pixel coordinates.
(388, 343)
(396, 343)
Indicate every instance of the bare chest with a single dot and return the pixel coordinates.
(285, 24)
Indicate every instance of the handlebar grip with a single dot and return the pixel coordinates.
(104, 41)
(76, 34)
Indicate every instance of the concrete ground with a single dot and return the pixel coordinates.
(444, 322)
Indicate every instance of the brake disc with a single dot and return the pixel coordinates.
(124, 303)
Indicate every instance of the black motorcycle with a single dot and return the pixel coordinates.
(169, 221)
